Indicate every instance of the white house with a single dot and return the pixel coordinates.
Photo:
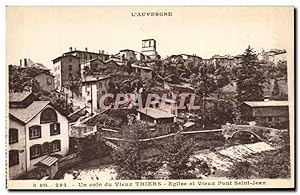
(37, 131)
(93, 88)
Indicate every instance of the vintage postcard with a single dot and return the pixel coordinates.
(150, 98)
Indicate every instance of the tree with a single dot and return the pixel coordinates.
(204, 84)
(218, 113)
(241, 170)
(250, 79)
(21, 79)
(57, 99)
(74, 85)
(275, 91)
(176, 152)
(129, 159)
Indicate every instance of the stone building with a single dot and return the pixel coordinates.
(273, 55)
(67, 66)
(149, 48)
(91, 65)
(191, 58)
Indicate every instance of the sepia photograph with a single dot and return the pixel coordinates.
(150, 98)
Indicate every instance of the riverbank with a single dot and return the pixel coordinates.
(220, 159)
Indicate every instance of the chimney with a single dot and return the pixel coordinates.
(99, 51)
(25, 62)
(102, 51)
(70, 48)
(86, 49)
(20, 62)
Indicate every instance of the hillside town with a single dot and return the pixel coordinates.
(138, 115)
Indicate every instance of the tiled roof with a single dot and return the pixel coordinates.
(117, 61)
(87, 52)
(64, 55)
(91, 60)
(26, 114)
(155, 113)
(18, 96)
(127, 50)
(93, 79)
(267, 103)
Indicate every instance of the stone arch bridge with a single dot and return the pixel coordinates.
(261, 133)
(228, 131)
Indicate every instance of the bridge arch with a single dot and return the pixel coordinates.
(230, 130)
(246, 131)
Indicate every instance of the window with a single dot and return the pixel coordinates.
(54, 129)
(70, 59)
(13, 157)
(35, 151)
(13, 136)
(168, 129)
(48, 116)
(34, 132)
(70, 67)
(46, 148)
(55, 146)
(49, 81)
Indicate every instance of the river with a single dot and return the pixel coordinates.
(222, 159)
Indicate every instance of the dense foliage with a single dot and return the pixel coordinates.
(129, 161)
(22, 79)
(250, 78)
(177, 151)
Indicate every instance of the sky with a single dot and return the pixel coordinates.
(44, 33)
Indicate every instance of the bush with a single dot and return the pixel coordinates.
(241, 170)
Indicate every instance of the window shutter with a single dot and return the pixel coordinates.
(50, 147)
(58, 128)
(30, 132)
(51, 128)
(17, 135)
(45, 148)
(31, 152)
(59, 145)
